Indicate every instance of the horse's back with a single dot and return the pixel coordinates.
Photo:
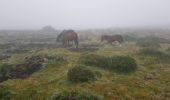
(119, 38)
(71, 35)
(112, 38)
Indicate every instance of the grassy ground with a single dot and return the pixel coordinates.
(151, 81)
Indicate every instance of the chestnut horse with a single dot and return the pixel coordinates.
(112, 38)
(67, 36)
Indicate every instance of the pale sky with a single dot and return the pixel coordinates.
(82, 14)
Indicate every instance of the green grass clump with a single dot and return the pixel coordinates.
(94, 60)
(4, 71)
(154, 52)
(151, 52)
(74, 95)
(80, 74)
(122, 64)
(162, 56)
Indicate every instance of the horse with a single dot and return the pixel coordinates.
(112, 38)
(67, 36)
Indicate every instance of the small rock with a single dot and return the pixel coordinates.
(149, 76)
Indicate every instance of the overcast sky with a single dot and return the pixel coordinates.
(82, 14)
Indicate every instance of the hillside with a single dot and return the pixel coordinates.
(150, 81)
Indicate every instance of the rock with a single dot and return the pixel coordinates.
(149, 76)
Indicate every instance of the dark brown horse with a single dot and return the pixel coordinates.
(112, 38)
(67, 36)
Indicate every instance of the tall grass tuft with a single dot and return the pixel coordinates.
(80, 74)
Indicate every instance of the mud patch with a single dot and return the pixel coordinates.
(23, 70)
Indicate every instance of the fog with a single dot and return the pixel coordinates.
(83, 14)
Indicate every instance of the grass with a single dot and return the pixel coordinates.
(111, 86)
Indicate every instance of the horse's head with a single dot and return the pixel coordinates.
(59, 38)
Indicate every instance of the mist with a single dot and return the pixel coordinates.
(83, 14)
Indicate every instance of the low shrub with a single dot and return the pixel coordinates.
(151, 52)
(4, 71)
(122, 64)
(162, 56)
(94, 60)
(74, 95)
(80, 74)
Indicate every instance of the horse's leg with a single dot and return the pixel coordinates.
(120, 44)
(117, 43)
(112, 43)
(64, 44)
(72, 42)
(76, 43)
(68, 43)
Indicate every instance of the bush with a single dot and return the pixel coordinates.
(74, 95)
(155, 53)
(122, 64)
(151, 52)
(94, 60)
(80, 74)
(4, 71)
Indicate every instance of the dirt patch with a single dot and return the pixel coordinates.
(83, 49)
(24, 70)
